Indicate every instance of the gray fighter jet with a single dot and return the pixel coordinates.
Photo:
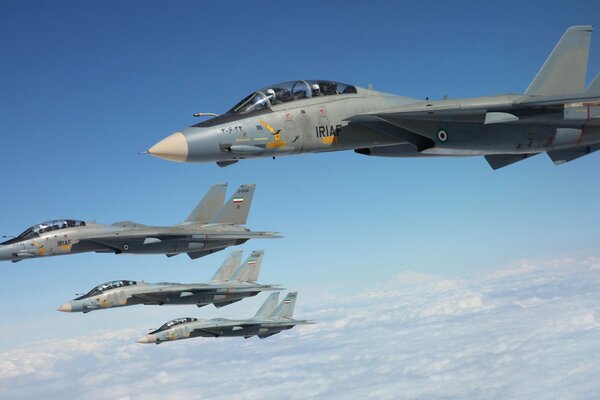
(555, 115)
(269, 320)
(231, 283)
(211, 227)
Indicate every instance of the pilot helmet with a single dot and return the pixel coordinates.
(270, 93)
(315, 88)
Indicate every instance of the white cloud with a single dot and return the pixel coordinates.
(530, 331)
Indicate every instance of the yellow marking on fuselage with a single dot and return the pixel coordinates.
(275, 145)
(243, 140)
(261, 138)
(330, 139)
(171, 336)
(41, 250)
(269, 127)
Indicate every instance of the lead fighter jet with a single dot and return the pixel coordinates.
(556, 115)
(231, 283)
(211, 226)
(269, 320)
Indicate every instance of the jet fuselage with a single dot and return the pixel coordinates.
(81, 239)
(557, 114)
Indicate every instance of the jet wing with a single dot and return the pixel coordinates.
(512, 109)
(380, 124)
(160, 296)
(266, 335)
(218, 328)
(502, 160)
(149, 298)
(113, 239)
(566, 155)
(425, 123)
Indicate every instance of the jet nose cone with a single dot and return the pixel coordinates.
(147, 339)
(67, 307)
(174, 148)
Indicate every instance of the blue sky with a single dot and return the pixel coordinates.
(86, 86)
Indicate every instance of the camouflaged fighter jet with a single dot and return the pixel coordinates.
(269, 320)
(231, 283)
(211, 227)
(555, 115)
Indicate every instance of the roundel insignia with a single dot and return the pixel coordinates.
(442, 135)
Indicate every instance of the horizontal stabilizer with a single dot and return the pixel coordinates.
(197, 254)
(225, 303)
(566, 155)
(266, 335)
(565, 69)
(222, 235)
(502, 160)
(201, 253)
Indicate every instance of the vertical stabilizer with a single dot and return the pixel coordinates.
(565, 69)
(236, 209)
(249, 270)
(268, 306)
(228, 267)
(594, 88)
(210, 204)
(286, 308)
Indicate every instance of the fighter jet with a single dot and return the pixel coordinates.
(231, 283)
(269, 320)
(210, 227)
(555, 115)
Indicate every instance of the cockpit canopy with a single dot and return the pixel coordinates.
(289, 91)
(173, 323)
(44, 227)
(106, 286)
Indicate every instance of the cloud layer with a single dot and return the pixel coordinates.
(530, 331)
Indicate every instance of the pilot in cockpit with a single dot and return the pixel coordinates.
(272, 97)
(316, 90)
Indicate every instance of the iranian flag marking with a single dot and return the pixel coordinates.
(251, 262)
(238, 200)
